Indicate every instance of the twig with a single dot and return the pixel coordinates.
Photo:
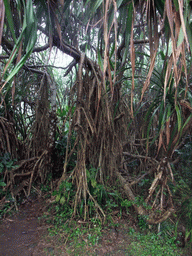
(141, 177)
(96, 204)
(171, 173)
(20, 187)
(154, 185)
(14, 200)
(162, 218)
(156, 198)
(140, 156)
(22, 163)
(32, 173)
(21, 174)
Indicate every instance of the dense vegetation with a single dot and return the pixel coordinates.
(110, 128)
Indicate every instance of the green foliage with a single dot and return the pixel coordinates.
(63, 208)
(28, 36)
(164, 107)
(79, 237)
(7, 207)
(98, 190)
(109, 199)
(6, 163)
(142, 222)
(46, 188)
(9, 18)
(2, 183)
(116, 201)
(152, 244)
(61, 145)
(63, 205)
(63, 114)
(182, 191)
(184, 213)
(184, 166)
(76, 235)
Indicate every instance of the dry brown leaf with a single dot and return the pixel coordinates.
(105, 35)
(154, 185)
(147, 81)
(153, 27)
(132, 55)
(160, 141)
(62, 2)
(183, 23)
(177, 25)
(153, 41)
(185, 69)
(171, 173)
(115, 28)
(170, 16)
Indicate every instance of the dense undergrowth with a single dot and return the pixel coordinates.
(79, 235)
(166, 238)
(60, 212)
(131, 237)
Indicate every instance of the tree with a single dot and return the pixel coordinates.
(124, 41)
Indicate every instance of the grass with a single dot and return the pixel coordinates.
(93, 238)
(152, 244)
(76, 237)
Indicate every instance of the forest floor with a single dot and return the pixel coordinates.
(25, 234)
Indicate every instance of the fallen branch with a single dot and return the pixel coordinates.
(141, 177)
(45, 152)
(157, 220)
(140, 156)
(22, 163)
(20, 187)
(140, 210)
(153, 218)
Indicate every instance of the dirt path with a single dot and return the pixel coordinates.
(20, 234)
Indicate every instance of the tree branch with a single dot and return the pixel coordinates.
(61, 45)
(2, 57)
(10, 45)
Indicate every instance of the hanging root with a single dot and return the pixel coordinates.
(97, 143)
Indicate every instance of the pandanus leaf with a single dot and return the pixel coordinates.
(9, 18)
(179, 119)
(29, 36)
(128, 31)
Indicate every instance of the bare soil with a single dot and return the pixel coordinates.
(20, 234)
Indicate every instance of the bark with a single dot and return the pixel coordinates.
(128, 191)
(153, 218)
(53, 117)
